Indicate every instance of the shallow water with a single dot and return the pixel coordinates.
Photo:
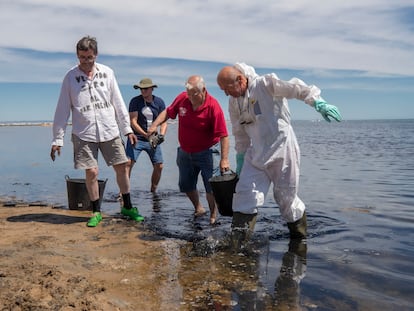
(356, 180)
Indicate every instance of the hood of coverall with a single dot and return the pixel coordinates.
(247, 70)
(246, 116)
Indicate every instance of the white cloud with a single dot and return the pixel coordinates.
(369, 35)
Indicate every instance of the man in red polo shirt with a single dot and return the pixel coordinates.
(203, 138)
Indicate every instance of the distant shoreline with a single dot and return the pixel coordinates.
(27, 124)
(45, 123)
(170, 121)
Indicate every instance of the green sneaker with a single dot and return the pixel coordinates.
(95, 219)
(132, 213)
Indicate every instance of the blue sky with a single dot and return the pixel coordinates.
(360, 53)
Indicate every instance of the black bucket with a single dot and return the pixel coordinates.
(78, 197)
(223, 187)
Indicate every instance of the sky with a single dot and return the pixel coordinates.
(359, 53)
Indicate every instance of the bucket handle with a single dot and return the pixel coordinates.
(67, 178)
(230, 171)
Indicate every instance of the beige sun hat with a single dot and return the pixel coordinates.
(144, 84)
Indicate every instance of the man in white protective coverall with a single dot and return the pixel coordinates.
(266, 147)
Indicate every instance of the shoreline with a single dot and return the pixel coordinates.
(15, 202)
(51, 261)
(28, 123)
(46, 123)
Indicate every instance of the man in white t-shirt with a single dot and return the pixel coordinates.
(91, 94)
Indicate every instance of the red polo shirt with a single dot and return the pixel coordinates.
(200, 129)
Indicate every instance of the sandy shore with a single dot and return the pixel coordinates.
(50, 260)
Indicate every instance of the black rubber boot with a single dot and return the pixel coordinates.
(242, 227)
(298, 229)
(299, 248)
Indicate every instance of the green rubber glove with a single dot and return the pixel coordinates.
(239, 162)
(327, 110)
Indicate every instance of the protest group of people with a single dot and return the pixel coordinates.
(267, 151)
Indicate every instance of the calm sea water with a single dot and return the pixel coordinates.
(357, 180)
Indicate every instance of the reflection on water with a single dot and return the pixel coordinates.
(357, 182)
(213, 276)
(225, 280)
(293, 270)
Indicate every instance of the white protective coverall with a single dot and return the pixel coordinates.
(262, 130)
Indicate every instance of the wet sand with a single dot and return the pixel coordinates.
(50, 260)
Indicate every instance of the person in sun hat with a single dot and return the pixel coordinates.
(266, 147)
(91, 94)
(143, 110)
(145, 83)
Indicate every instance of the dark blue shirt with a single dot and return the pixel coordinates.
(147, 112)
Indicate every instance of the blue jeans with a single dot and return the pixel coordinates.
(191, 164)
(133, 152)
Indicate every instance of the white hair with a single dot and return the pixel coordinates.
(200, 84)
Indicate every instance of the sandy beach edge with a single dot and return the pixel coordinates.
(51, 260)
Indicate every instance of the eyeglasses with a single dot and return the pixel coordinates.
(84, 57)
(193, 93)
